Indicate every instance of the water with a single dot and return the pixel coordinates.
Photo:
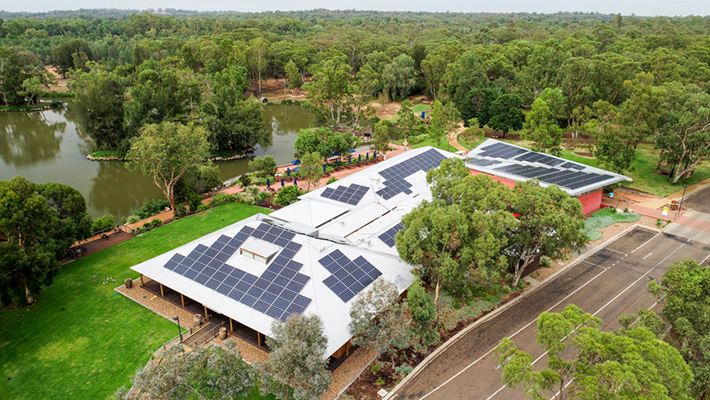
(47, 147)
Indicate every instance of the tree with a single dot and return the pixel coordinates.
(311, 169)
(423, 310)
(70, 55)
(381, 137)
(233, 122)
(214, 372)
(197, 180)
(99, 98)
(550, 223)
(612, 152)
(640, 116)
(506, 113)
(297, 358)
(330, 90)
(684, 289)
(584, 362)
(293, 75)
(685, 140)
(263, 166)
(20, 69)
(456, 241)
(398, 77)
(38, 223)
(378, 319)
(467, 73)
(324, 141)
(542, 129)
(407, 121)
(164, 152)
(287, 195)
(258, 58)
(443, 120)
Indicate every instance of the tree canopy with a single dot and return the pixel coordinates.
(585, 362)
(166, 151)
(38, 224)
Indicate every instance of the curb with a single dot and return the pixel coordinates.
(431, 357)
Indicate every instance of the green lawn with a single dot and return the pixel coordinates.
(82, 340)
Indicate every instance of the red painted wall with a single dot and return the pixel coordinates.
(591, 202)
(506, 182)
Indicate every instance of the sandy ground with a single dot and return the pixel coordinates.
(61, 85)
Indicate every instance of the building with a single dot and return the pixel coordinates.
(312, 257)
(508, 163)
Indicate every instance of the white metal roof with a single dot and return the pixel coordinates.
(319, 226)
(520, 164)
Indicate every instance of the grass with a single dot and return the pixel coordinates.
(82, 340)
(605, 217)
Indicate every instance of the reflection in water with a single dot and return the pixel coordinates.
(30, 137)
(113, 182)
(48, 147)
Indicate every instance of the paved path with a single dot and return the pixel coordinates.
(609, 282)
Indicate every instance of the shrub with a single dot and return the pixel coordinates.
(193, 201)
(180, 211)
(545, 262)
(151, 207)
(221, 199)
(245, 180)
(156, 223)
(333, 179)
(202, 207)
(132, 219)
(102, 223)
(287, 195)
(263, 167)
(147, 226)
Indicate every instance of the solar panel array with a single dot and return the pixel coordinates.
(395, 175)
(502, 150)
(346, 194)
(388, 235)
(348, 277)
(274, 293)
(560, 177)
(481, 162)
(550, 169)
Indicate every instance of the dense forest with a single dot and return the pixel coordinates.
(622, 80)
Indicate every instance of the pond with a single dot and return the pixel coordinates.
(46, 146)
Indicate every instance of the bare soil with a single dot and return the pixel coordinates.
(61, 85)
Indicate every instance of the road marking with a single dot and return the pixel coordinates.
(596, 265)
(531, 322)
(609, 248)
(607, 304)
(704, 259)
(647, 256)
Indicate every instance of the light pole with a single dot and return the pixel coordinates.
(177, 318)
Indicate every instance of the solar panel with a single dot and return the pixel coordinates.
(395, 175)
(346, 194)
(273, 292)
(502, 150)
(572, 165)
(388, 235)
(348, 277)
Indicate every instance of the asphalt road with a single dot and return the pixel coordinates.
(699, 201)
(694, 224)
(609, 283)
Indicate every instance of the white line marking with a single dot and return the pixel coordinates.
(596, 265)
(704, 259)
(617, 251)
(529, 323)
(647, 255)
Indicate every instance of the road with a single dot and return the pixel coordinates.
(694, 224)
(608, 283)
